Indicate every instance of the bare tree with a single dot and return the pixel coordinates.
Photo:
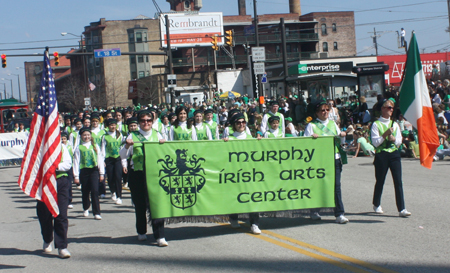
(71, 95)
(148, 90)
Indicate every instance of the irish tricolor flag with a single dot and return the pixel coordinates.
(416, 106)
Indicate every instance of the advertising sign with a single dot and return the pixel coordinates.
(12, 145)
(191, 30)
(200, 178)
(343, 67)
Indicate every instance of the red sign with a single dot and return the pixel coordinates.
(397, 65)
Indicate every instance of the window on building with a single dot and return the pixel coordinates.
(138, 37)
(277, 49)
(187, 4)
(131, 37)
(141, 74)
(324, 29)
(132, 59)
(95, 39)
(97, 62)
(147, 73)
(144, 36)
(288, 48)
(335, 46)
(325, 47)
(133, 75)
(333, 27)
(140, 58)
(287, 31)
(146, 58)
(37, 69)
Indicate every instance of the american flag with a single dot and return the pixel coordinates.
(43, 152)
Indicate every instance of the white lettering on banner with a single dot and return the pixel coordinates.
(324, 68)
(191, 23)
(397, 70)
(12, 145)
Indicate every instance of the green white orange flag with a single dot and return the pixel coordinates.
(415, 104)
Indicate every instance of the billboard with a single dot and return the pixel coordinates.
(192, 30)
(397, 65)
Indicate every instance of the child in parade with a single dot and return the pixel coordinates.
(323, 126)
(212, 125)
(137, 180)
(74, 139)
(59, 225)
(239, 132)
(67, 124)
(290, 125)
(181, 129)
(201, 129)
(121, 126)
(97, 135)
(274, 106)
(386, 138)
(363, 145)
(132, 124)
(111, 144)
(165, 126)
(274, 130)
(68, 146)
(88, 169)
(87, 122)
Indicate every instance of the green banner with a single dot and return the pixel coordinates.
(199, 178)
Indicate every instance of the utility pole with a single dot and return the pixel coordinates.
(448, 10)
(258, 78)
(375, 41)
(169, 55)
(285, 65)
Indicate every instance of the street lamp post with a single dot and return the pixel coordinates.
(18, 82)
(12, 90)
(4, 91)
(27, 89)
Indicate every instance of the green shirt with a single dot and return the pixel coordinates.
(138, 152)
(212, 128)
(182, 133)
(88, 157)
(112, 147)
(201, 132)
(365, 146)
(386, 146)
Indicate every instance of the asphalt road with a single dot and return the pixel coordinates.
(368, 243)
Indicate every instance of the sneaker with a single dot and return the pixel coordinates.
(70, 206)
(97, 217)
(113, 197)
(125, 186)
(78, 187)
(162, 242)
(142, 237)
(378, 209)
(102, 196)
(404, 213)
(435, 158)
(47, 247)
(341, 219)
(234, 223)
(64, 253)
(315, 216)
(255, 229)
(86, 213)
(119, 201)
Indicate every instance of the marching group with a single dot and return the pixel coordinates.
(107, 146)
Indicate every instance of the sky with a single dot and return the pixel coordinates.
(28, 26)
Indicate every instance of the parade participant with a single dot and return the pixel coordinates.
(111, 143)
(68, 146)
(72, 119)
(16, 127)
(132, 123)
(88, 169)
(290, 125)
(322, 126)
(22, 128)
(97, 134)
(386, 138)
(165, 126)
(67, 124)
(239, 132)
(181, 129)
(172, 118)
(201, 129)
(273, 112)
(87, 122)
(58, 225)
(212, 125)
(229, 127)
(274, 130)
(137, 180)
(74, 139)
(121, 126)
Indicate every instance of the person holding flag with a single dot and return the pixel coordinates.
(43, 166)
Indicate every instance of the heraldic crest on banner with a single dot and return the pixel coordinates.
(181, 178)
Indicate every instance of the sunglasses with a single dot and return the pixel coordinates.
(389, 107)
(146, 120)
(325, 110)
(241, 122)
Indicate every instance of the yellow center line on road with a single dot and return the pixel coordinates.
(330, 253)
(310, 254)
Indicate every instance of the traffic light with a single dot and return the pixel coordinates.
(229, 37)
(56, 55)
(3, 60)
(214, 43)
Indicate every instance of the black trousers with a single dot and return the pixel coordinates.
(139, 196)
(383, 162)
(70, 177)
(253, 217)
(114, 173)
(60, 224)
(89, 178)
(339, 206)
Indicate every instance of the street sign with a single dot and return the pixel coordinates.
(111, 52)
(264, 78)
(259, 68)
(87, 101)
(259, 54)
(171, 80)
